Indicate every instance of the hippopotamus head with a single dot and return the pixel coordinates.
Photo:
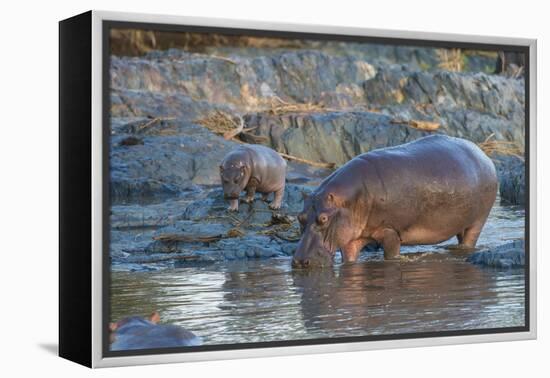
(132, 321)
(326, 226)
(136, 332)
(234, 180)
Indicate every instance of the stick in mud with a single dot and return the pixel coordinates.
(187, 238)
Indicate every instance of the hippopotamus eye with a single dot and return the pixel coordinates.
(236, 181)
(322, 219)
(226, 181)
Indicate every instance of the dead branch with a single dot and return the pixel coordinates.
(154, 121)
(168, 238)
(285, 238)
(309, 162)
(169, 257)
(501, 147)
(236, 131)
(235, 233)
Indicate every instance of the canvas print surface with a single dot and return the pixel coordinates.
(289, 190)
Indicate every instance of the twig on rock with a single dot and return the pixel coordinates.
(167, 238)
(153, 121)
(417, 124)
(305, 161)
(236, 131)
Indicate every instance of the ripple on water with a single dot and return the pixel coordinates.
(265, 300)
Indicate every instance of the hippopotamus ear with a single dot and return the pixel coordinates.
(330, 198)
(113, 326)
(221, 168)
(154, 317)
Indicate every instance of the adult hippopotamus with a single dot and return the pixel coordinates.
(135, 332)
(253, 168)
(422, 192)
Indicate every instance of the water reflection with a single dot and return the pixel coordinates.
(427, 295)
(432, 289)
(264, 300)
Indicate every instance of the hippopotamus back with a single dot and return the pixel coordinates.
(138, 333)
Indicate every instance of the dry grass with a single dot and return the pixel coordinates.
(450, 59)
(229, 126)
(281, 107)
(138, 42)
(484, 53)
(219, 122)
(500, 147)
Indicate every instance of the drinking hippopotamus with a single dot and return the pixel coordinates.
(253, 168)
(422, 192)
(136, 332)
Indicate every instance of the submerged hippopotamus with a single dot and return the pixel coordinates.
(253, 168)
(136, 332)
(422, 192)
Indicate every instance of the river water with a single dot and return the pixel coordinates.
(432, 288)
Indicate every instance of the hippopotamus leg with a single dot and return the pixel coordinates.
(391, 244)
(233, 205)
(471, 234)
(351, 251)
(460, 237)
(250, 193)
(276, 204)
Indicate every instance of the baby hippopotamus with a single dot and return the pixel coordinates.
(136, 332)
(253, 168)
(422, 192)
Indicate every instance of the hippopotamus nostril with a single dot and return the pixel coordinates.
(300, 263)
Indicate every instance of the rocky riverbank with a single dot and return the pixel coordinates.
(322, 104)
(508, 255)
